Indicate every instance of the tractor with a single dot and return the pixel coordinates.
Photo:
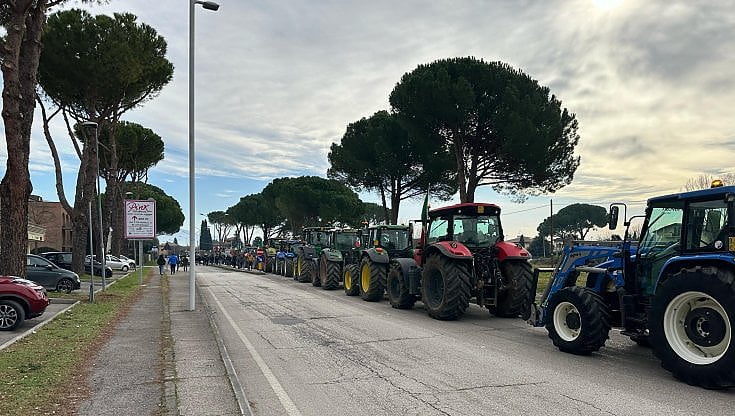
(461, 256)
(383, 243)
(283, 254)
(290, 255)
(342, 249)
(307, 261)
(674, 292)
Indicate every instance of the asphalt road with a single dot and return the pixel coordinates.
(301, 350)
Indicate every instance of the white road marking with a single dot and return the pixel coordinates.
(283, 397)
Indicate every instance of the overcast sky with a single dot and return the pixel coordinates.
(278, 81)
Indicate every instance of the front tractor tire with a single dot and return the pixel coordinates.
(314, 274)
(445, 287)
(288, 267)
(690, 325)
(329, 273)
(579, 320)
(514, 292)
(398, 295)
(350, 280)
(372, 280)
(304, 268)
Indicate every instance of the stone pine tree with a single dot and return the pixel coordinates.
(574, 221)
(378, 154)
(498, 124)
(205, 237)
(97, 68)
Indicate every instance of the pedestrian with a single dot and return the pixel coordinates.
(185, 263)
(173, 261)
(160, 262)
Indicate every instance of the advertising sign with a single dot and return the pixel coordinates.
(140, 219)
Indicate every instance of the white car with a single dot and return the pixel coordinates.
(115, 263)
(130, 261)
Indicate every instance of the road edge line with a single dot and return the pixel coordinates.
(276, 386)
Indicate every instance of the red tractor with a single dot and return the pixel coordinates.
(461, 256)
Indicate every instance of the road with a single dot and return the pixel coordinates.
(301, 350)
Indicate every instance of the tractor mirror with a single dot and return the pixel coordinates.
(612, 219)
(410, 231)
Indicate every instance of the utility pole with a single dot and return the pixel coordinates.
(551, 221)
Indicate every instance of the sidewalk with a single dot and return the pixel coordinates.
(161, 359)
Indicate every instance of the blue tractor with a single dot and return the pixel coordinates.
(675, 291)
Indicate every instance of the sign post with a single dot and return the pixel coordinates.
(140, 224)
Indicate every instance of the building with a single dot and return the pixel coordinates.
(53, 218)
(36, 236)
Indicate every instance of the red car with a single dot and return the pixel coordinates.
(20, 299)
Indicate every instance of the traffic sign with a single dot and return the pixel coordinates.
(140, 219)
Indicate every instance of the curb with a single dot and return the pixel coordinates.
(36, 328)
(240, 397)
(225, 267)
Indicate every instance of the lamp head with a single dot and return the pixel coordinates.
(209, 5)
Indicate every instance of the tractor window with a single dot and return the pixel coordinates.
(663, 231)
(476, 231)
(345, 241)
(395, 239)
(439, 230)
(706, 225)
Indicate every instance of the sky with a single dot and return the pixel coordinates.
(277, 82)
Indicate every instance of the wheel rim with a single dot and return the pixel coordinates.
(567, 322)
(435, 288)
(8, 316)
(348, 280)
(365, 277)
(697, 328)
(64, 286)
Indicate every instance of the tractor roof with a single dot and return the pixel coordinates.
(388, 227)
(466, 208)
(317, 228)
(702, 193)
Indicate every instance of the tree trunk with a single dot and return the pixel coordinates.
(395, 201)
(385, 205)
(20, 54)
(461, 171)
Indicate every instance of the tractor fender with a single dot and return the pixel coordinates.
(408, 265)
(510, 251)
(332, 255)
(451, 249)
(376, 256)
(290, 255)
(675, 263)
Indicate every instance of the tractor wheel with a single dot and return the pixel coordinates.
(288, 268)
(372, 280)
(332, 272)
(397, 290)
(690, 325)
(305, 269)
(642, 340)
(514, 293)
(350, 280)
(579, 321)
(315, 280)
(445, 287)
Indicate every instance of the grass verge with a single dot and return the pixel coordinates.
(40, 374)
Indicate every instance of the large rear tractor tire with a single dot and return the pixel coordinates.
(445, 287)
(350, 280)
(288, 268)
(514, 292)
(332, 272)
(372, 280)
(398, 295)
(579, 320)
(691, 326)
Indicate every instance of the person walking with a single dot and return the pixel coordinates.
(173, 261)
(185, 262)
(160, 262)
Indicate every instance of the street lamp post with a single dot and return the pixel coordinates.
(92, 130)
(208, 5)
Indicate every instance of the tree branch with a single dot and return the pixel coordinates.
(55, 156)
(71, 135)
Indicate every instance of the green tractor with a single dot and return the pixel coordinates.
(307, 260)
(383, 243)
(270, 253)
(343, 249)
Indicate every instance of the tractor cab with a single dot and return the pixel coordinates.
(395, 239)
(344, 239)
(476, 226)
(316, 236)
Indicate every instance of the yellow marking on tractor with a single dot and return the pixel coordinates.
(348, 280)
(365, 277)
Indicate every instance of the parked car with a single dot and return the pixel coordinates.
(63, 260)
(20, 299)
(49, 275)
(114, 262)
(133, 265)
